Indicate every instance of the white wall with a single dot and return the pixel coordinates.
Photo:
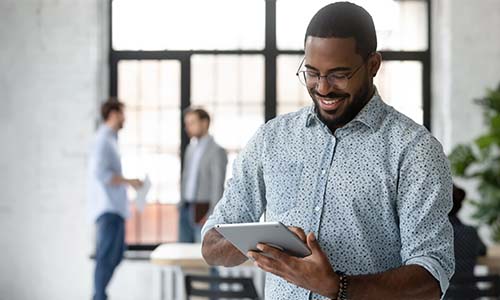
(53, 72)
(466, 61)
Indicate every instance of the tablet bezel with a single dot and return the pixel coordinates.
(246, 236)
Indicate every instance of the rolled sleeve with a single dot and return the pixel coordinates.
(434, 267)
(209, 224)
(424, 201)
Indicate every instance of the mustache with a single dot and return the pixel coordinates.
(332, 95)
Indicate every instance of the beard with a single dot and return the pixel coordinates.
(350, 111)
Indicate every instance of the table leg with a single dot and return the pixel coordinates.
(162, 284)
(180, 293)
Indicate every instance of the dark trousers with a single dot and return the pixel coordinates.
(189, 230)
(109, 251)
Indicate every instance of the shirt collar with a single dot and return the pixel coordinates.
(371, 115)
(108, 130)
(202, 140)
(311, 116)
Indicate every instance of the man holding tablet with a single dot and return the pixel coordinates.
(370, 187)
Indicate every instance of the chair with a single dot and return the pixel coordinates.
(474, 287)
(215, 287)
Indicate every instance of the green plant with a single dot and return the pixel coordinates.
(481, 160)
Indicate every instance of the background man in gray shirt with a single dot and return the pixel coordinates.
(202, 177)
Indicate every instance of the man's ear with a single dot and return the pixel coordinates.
(374, 62)
(112, 114)
(206, 124)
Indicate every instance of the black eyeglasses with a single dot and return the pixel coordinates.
(311, 78)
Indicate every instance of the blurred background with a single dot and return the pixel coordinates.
(237, 58)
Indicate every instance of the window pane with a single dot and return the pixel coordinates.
(231, 89)
(400, 25)
(292, 95)
(400, 85)
(150, 139)
(188, 24)
(398, 82)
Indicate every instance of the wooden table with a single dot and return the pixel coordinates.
(173, 259)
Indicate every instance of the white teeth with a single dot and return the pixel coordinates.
(329, 102)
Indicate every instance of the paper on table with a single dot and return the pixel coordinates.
(142, 192)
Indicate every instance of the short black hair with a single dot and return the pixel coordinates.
(345, 20)
(200, 112)
(112, 104)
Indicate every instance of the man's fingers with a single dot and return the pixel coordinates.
(313, 244)
(262, 260)
(274, 252)
(267, 264)
(299, 232)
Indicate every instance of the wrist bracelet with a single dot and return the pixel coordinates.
(343, 284)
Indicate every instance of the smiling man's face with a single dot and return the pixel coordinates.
(336, 107)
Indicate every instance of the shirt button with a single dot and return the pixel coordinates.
(323, 172)
(317, 208)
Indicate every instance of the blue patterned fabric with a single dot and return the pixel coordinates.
(376, 193)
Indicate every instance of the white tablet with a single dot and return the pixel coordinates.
(246, 236)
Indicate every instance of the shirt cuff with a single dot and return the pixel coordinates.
(209, 224)
(434, 267)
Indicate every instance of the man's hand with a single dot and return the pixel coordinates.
(313, 272)
(135, 183)
(118, 180)
(299, 232)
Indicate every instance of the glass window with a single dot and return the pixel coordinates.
(150, 139)
(400, 25)
(398, 82)
(291, 95)
(188, 24)
(231, 89)
(400, 85)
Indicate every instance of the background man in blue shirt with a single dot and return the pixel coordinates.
(371, 187)
(108, 205)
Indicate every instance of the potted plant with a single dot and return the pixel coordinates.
(480, 160)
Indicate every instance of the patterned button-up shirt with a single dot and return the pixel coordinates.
(376, 193)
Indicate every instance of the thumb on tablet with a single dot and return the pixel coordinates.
(299, 232)
(312, 243)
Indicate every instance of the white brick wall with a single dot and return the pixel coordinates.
(53, 72)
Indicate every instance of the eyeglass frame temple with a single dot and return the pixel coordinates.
(348, 77)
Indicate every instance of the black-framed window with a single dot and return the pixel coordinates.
(236, 58)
